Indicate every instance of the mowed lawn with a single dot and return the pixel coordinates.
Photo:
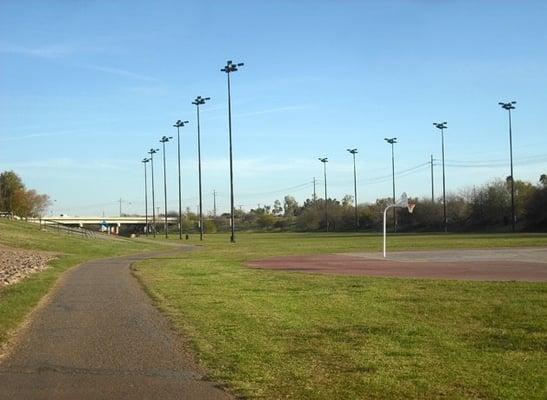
(17, 300)
(274, 335)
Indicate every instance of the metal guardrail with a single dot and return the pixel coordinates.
(46, 225)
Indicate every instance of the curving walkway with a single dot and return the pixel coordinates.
(99, 337)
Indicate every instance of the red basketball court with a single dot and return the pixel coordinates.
(522, 264)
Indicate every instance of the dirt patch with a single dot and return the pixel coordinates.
(338, 264)
(17, 264)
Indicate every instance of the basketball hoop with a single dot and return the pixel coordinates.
(410, 208)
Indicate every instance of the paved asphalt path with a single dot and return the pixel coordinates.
(99, 337)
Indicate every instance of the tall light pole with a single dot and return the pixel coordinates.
(179, 124)
(325, 160)
(164, 140)
(511, 106)
(442, 126)
(197, 102)
(144, 162)
(152, 152)
(353, 152)
(229, 68)
(392, 141)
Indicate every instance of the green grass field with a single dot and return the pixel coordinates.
(277, 335)
(19, 299)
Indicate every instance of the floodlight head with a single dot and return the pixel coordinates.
(231, 66)
(165, 139)
(440, 125)
(352, 151)
(323, 159)
(145, 160)
(200, 100)
(391, 140)
(509, 105)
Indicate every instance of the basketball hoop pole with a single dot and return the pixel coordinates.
(403, 203)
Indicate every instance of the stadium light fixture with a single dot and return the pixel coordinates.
(510, 105)
(179, 124)
(198, 102)
(442, 126)
(229, 68)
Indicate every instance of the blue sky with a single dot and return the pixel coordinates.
(89, 87)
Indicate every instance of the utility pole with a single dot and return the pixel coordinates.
(215, 203)
(432, 184)
(120, 201)
(314, 195)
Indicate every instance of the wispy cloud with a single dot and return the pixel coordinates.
(120, 72)
(257, 166)
(50, 51)
(38, 135)
(274, 110)
(68, 163)
(58, 51)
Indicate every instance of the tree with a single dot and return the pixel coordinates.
(266, 220)
(10, 184)
(291, 206)
(347, 201)
(277, 209)
(16, 199)
(535, 207)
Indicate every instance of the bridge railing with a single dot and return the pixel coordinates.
(49, 225)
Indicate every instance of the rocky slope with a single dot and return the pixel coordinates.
(16, 264)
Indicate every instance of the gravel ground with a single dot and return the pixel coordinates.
(16, 264)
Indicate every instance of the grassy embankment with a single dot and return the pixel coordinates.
(17, 300)
(290, 335)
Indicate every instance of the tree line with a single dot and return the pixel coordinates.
(17, 200)
(480, 208)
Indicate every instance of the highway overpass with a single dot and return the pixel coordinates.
(111, 225)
